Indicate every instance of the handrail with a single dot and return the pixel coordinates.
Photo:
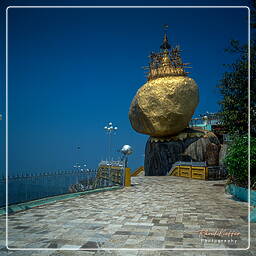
(137, 171)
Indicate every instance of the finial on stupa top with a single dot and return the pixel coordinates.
(167, 62)
(165, 45)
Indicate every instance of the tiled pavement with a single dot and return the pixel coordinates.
(156, 212)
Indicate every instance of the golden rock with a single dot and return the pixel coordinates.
(164, 106)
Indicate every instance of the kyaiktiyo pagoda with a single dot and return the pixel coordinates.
(163, 107)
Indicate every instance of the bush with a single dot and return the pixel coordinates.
(236, 161)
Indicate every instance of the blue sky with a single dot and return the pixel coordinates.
(71, 71)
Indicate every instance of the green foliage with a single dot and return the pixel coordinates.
(236, 161)
(234, 89)
(235, 109)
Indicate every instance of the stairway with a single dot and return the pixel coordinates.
(138, 171)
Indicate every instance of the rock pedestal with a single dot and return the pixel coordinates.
(191, 145)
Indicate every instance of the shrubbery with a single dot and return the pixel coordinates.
(236, 161)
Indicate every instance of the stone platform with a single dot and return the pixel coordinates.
(155, 213)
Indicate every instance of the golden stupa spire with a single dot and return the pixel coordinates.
(167, 62)
(165, 45)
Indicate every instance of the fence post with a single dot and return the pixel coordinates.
(127, 180)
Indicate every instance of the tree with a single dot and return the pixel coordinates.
(234, 86)
(236, 161)
(235, 113)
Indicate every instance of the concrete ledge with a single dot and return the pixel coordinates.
(242, 195)
(47, 200)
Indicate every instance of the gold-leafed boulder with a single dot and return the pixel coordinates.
(164, 106)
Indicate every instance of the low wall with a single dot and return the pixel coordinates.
(242, 194)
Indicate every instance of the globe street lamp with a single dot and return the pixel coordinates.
(126, 150)
(110, 129)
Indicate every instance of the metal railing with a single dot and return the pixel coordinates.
(112, 163)
(27, 187)
(191, 163)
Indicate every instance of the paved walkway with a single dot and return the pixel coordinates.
(156, 212)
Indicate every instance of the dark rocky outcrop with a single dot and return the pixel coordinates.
(161, 155)
(223, 153)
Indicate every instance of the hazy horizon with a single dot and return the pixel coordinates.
(71, 71)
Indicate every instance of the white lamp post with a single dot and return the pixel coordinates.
(110, 129)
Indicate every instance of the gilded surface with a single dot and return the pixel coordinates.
(164, 106)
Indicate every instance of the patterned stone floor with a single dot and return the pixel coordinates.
(155, 213)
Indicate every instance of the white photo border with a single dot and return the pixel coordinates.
(126, 249)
